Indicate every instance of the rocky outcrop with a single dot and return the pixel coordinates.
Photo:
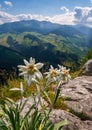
(74, 122)
(87, 69)
(78, 93)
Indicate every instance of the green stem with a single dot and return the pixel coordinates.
(39, 99)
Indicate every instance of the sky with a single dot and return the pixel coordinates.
(65, 12)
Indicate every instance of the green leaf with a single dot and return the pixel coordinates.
(22, 105)
(60, 124)
(30, 109)
(3, 125)
(45, 93)
(56, 95)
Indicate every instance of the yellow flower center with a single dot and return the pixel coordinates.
(31, 69)
(53, 73)
(65, 72)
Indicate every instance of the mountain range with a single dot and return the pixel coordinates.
(47, 42)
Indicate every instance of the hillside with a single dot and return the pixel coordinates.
(27, 26)
(47, 42)
(9, 58)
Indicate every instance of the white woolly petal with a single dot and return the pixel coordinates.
(31, 79)
(39, 65)
(69, 76)
(22, 66)
(26, 62)
(46, 73)
(35, 81)
(61, 67)
(32, 60)
(23, 73)
(22, 69)
(39, 75)
(51, 67)
(15, 89)
(68, 70)
(48, 76)
(54, 78)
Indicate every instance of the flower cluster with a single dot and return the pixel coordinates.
(58, 75)
(53, 74)
(31, 72)
(64, 73)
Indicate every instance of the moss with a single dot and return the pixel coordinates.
(81, 115)
(67, 98)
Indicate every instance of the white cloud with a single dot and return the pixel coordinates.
(63, 8)
(89, 20)
(5, 17)
(8, 3)
(83, 14)
(1, 22)
(80, 15)
(30, 16)
(66, 18)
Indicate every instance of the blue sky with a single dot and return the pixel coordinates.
(57, 11)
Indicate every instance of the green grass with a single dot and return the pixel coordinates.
(15, 95)
(5, 90)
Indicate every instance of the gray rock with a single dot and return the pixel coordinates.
(88, 67)
(79, 95)
(74, 122)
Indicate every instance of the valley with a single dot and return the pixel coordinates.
(47, 42)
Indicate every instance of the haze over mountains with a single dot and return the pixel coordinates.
(47, 42)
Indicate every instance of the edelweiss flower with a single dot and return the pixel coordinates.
(52, 74)
(64, 72)
(30, 70)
